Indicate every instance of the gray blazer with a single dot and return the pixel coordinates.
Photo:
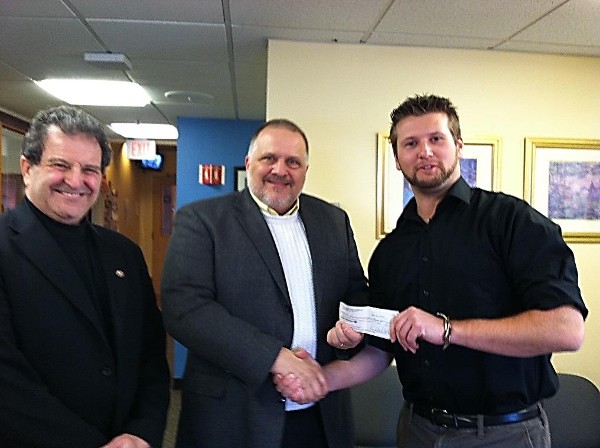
(225, 298)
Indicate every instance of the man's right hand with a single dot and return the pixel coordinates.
(298, 376)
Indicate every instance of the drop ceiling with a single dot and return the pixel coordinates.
(207, 58)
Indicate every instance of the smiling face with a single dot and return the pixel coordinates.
(66, 182)
(277, 167)
(426, 152)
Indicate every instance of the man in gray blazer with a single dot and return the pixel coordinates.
(82, 347)
(249, 277)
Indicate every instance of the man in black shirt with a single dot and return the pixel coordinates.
(486, 290)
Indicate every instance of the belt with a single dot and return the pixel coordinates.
(446, 419)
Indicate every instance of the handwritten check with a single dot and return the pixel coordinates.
(368, 319)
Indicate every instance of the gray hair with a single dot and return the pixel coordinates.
(278, 123)
(70, 120)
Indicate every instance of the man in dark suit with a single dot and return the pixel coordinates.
(250, 277)
(82, 348)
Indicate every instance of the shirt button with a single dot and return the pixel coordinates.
(426, 363)
(425, 259)
(107, 371)
(425, 292)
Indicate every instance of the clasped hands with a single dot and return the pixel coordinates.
(303, 379)
(303, 383)
(310, 382)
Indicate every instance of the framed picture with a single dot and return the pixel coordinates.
(479, 166)
(240, 178)
(562, 181)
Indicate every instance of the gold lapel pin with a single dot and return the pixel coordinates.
(119, 273)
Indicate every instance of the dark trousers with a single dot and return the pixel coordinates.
(417, 432)
(304, 429)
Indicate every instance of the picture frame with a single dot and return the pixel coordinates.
(240, 179)
(562, 181)
(480, 166)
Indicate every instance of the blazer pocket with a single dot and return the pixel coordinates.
(209, 386)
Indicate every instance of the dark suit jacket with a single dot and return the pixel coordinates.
(60, 383)
(225, 298)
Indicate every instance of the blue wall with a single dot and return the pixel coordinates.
(203, 141)
(217, 142)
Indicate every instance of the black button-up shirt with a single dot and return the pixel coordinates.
(482, 255)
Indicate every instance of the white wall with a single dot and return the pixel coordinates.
(341, 95)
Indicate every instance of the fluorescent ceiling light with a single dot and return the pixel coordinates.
(146, 131)
(88, 92)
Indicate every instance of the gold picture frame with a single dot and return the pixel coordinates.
(562, 181)
(484, 152)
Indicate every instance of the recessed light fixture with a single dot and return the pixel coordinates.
(146, 131)
(89, 92)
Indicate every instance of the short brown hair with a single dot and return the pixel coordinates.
(424, 104)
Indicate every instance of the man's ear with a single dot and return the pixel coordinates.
(25, 168)
(459, 148)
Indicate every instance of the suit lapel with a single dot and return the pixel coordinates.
(250, 217)
(41, 248)
(115, 274)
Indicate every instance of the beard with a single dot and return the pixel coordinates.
(259, 190)
(432, 183)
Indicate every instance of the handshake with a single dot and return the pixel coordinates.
(299, 377)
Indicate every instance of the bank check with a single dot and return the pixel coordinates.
(368, 319)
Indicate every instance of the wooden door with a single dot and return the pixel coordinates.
(164, 196)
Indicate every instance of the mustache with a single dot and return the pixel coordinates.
(276, 178)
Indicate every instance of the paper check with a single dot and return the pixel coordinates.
(367, 319)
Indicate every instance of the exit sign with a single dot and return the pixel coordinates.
(140, 149)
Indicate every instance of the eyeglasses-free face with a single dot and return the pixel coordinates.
(426, 152)
(277, 167)
(66, 182)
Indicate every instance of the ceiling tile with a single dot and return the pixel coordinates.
(497, 19)
(336, 15)
(203, 11)
(183, 44)
(574, 23)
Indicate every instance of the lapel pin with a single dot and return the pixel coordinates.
(119, 273)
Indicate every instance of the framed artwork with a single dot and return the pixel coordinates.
(562, 181)
(479, 166)
(240, 181)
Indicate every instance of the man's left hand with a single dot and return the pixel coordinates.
(414, 324)
(342, 336)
